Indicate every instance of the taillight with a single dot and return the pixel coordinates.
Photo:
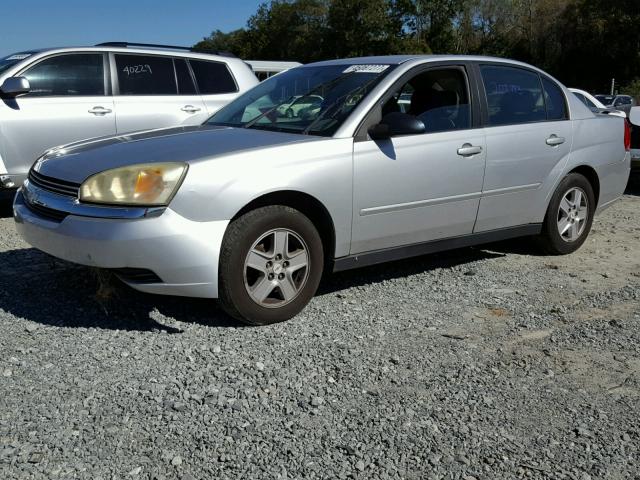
(627, 135)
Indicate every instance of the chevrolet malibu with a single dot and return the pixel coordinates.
(404, 156)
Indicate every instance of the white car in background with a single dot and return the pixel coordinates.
(266, 68)
(596, 105)
(58, 96)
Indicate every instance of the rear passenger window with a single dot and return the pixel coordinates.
(145, 75)
(554, 101)
(514, 95)
(78, 74)
(213, 77)
(185, 82)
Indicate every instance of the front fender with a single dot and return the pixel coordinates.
(218, 189)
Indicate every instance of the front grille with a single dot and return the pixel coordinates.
(61, 187)
(136, 275)
(46, 212)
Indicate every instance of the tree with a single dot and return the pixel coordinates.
(234, 42)
(584, 43)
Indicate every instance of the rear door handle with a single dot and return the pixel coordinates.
(99, 110)
(554, 140)
(190, 109)
(468, 150)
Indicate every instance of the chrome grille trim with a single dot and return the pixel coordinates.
(41, 197)
(61, 187)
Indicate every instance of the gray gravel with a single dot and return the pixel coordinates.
(485, 363)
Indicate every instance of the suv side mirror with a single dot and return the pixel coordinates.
(14, 86)
(396, 123)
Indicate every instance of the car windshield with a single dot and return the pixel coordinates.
(606, 99)
(312, 100)
(10, 60)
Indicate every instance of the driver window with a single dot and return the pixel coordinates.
(439, 98)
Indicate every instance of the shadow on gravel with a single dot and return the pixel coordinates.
(404, 268)
(6, 201)
(42, 289)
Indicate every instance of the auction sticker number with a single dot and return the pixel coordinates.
(137, 69)
(366, 69)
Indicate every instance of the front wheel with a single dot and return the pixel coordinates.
(271, 263)
(569, 216)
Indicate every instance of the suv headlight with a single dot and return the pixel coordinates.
(152, 184)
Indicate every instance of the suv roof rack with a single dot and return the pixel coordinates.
(171, 47)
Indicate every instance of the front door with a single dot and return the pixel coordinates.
(68, 102)
(417, 188)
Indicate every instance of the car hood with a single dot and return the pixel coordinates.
(78, 161)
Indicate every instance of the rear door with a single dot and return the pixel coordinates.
(216, 84)
(529, 137)
(69, 101)
(154, 91)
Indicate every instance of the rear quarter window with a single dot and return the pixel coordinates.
(514, 95)
(213, 77)
(554, 100)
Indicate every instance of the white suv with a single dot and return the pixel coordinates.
(57, 96)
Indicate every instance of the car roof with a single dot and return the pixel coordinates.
(124, 49)
(399, 59)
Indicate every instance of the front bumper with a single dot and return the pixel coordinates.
(182, 253)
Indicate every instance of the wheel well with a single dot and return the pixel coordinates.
(591, 175)
(306, 204)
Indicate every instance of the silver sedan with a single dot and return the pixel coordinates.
(403, 156)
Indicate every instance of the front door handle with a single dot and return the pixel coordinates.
(468, 150)
(554, 140)
(190, 109)
(99, 110)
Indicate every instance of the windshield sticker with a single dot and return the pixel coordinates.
(366, 69)
(19, 56)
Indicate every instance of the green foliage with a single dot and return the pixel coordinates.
(633, 89)
(584, 43)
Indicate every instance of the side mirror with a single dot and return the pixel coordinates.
(14, 86)
(396, 123)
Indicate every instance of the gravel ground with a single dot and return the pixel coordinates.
(483, 363)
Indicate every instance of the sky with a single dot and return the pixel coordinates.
(58, 23)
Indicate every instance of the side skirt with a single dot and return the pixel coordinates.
(407, 251)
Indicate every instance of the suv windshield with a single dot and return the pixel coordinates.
(307, 100)
(10, 60)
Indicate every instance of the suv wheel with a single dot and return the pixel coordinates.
(271, 263)
(569, 216)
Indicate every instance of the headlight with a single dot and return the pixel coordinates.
(152, 184)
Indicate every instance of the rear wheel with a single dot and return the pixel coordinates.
(270, 265)
(569, 216)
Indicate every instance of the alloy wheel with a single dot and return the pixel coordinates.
(276, 268)
(573, 214)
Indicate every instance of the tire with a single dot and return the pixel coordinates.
(254, 240)
(559, 219)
